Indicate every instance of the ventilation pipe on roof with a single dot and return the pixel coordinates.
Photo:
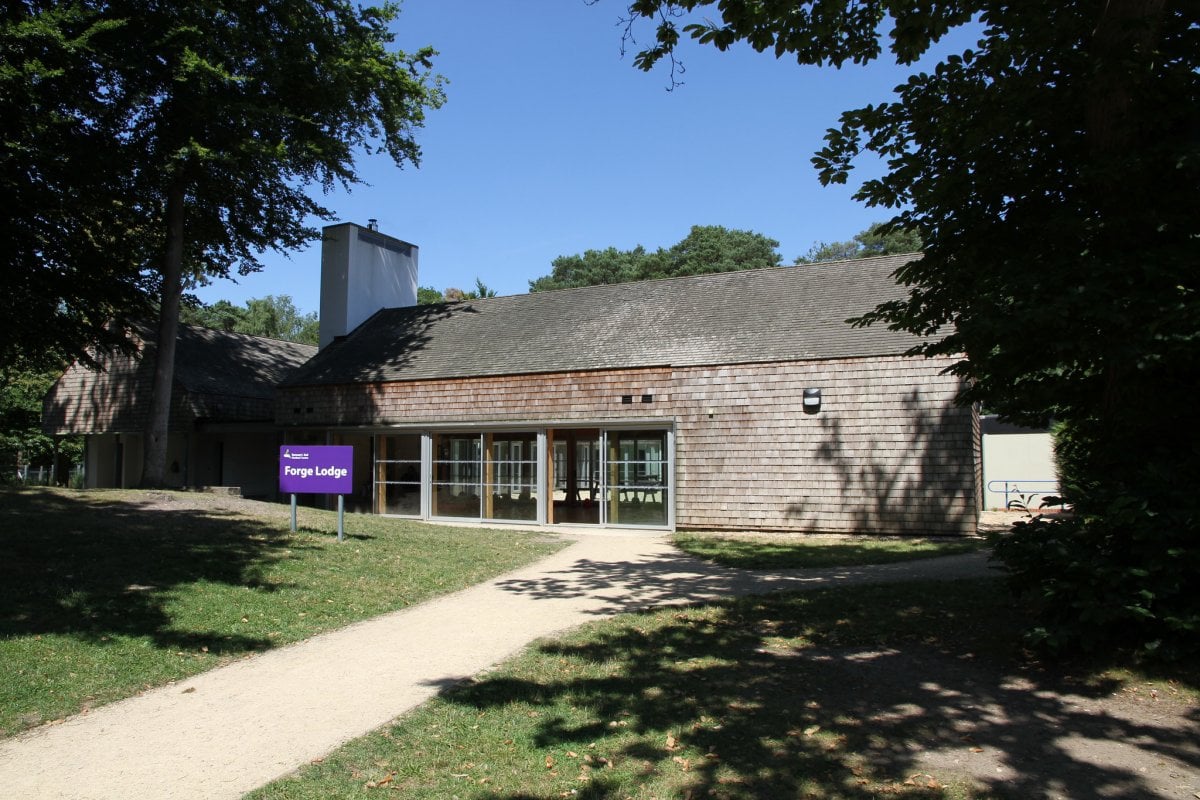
(362, 271)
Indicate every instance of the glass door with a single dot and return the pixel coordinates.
(511, 477)
(574, 477)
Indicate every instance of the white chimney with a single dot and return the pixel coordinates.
(362, 271)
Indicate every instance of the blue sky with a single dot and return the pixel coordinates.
(550, 143)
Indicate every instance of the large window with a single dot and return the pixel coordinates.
(398, 475)
(574, 476)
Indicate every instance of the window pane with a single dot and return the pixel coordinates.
(401, 499)
(641, 506)
(457, 475)
(512, 475)
(398, 474)
(638, 477)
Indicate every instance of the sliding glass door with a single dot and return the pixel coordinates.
(609, 477)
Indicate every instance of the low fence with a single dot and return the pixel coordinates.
(40, 476)
(1027, 495)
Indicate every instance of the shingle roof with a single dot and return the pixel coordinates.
(234, 364)
(219, 377)
(778, 314)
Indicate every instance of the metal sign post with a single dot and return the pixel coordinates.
(293, 512)
(341, 515)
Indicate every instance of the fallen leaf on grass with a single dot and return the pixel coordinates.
(384, 781)
(549, 762)
(684, 763)
(924, 779)
(672, 742)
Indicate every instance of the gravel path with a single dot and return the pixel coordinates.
(225, 732)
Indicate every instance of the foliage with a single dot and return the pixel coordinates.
(133, 589)
(706, 248)
(71, 272)
(21, 439)
(206, 139)
(1124, 571)
(1051, 172)
(876, 240)
(480, 291)
(273, 316)
(427, 295)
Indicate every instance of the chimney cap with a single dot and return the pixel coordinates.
(373, 224)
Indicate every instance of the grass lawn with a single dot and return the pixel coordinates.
(757, 552)
(106, 593)
(825, 694)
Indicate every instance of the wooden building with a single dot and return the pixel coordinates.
(739, 401)
(221, 429)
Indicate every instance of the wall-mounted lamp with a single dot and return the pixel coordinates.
(812, 401)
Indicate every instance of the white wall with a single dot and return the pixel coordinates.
(1025, 461)
(362, 271)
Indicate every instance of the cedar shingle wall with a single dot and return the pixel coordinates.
(570, 396)
(888, 452)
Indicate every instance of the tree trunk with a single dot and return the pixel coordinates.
(154, 439)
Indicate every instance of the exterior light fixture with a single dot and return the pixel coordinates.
(812, 401)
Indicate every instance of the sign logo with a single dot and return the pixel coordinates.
(322, 469)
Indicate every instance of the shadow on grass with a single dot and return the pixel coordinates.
(888, 690)
(92, 568)
(759, 554)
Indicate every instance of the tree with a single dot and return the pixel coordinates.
(1051, 172)
(273, 316)
(706, 248)
(876, 240)
(23, 384)
(215, 137)
(713, 248)
(221, 315)
(427, 295)
(593, 268)
(72, 272)
(277, 317)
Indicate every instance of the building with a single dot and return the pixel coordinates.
(736, 401)
(739, 401)
(221, 430)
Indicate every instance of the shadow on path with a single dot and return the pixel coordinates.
(888, 690)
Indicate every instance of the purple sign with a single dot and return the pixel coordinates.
(310, 469)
